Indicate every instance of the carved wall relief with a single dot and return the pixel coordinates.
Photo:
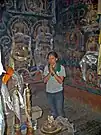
(16, 5)
(42, 33)
(18, 24)
(35, 5)
(9, 3)
(31, 6)
(21, 54)
(39, 6)
(20, 5)
(27, 17)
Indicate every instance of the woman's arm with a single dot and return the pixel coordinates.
(46, 78)
(58, 78)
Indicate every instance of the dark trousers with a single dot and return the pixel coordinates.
(56, 103)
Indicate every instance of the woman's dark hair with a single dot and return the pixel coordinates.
(53, 53)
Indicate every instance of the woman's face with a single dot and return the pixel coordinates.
(52, 60)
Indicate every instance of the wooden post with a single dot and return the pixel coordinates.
(17, 126)
(28, 103)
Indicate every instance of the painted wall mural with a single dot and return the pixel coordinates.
(81, 31)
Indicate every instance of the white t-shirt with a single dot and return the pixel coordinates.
(52, 86)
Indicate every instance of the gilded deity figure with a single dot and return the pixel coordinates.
(91, 44)
(91, 15)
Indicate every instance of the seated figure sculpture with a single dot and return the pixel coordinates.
(43, 34)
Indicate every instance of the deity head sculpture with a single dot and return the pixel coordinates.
(21, 50)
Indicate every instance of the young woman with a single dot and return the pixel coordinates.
(54, 74)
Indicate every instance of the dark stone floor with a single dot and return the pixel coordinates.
(85, 119)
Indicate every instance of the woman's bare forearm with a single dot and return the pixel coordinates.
(46, 78)
(58, 78)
